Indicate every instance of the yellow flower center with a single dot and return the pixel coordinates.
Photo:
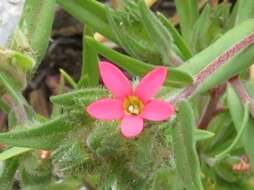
(133, 105)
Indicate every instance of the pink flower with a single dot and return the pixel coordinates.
(130, 105)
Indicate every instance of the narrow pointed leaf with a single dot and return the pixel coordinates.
(187, 164)
(235, 106)
(7, 175)
(9, 87)
(178, 39)
(14, 66)
(68, 99)
(89, 12)
(90, 72)
(245, 10)
(241, 131)
(131, 35)
(187, 11)
(12, 152)
(201, 30)
(137, 67)
(236, 111)
(69, 79)
(48, 135)
(157, 33)
(200, 135)
(37, 30)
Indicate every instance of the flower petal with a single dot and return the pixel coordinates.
(131, 126)
(157, 110)
(106, 109)
(115, 80)
(151, 83)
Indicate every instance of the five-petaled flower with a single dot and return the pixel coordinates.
(130, 105)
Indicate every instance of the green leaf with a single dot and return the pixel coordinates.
(71, 158)
(16, 95)
(249, 85)
(38, 30)
(221, 125)
(137, 67)
(202, 59)
(131, 35)
(163, 178)
(7, 173)
(243, 185)
(177, 38)
(200, 30)
(200, 135)
(89, 12)
(225, 172)
(17, 59)
(241, 131)
(69, 79)
(187, 11)
(66, 184)
(12, 152)
(90, 72)
(236, 111)
(68, 99)
(249, 141)
(157, 33)
(48, 135)
(187, 164)
(14, 66)
(35, 172)
(220, 20)
(232, 66)
(123, 26)
(4, 107)
(245, 10)
(105, 141)
(231, 20)
(235, 107)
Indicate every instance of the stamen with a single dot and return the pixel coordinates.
(133, 105)
(134, 109)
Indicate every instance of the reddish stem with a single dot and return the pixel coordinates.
(243, 94)
(212, 108)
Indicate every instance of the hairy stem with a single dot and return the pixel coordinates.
(211, 68)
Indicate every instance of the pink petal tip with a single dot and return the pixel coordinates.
(131, 126)
(106, 109)
(115, 80)
(151, 83)
(157, 110)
